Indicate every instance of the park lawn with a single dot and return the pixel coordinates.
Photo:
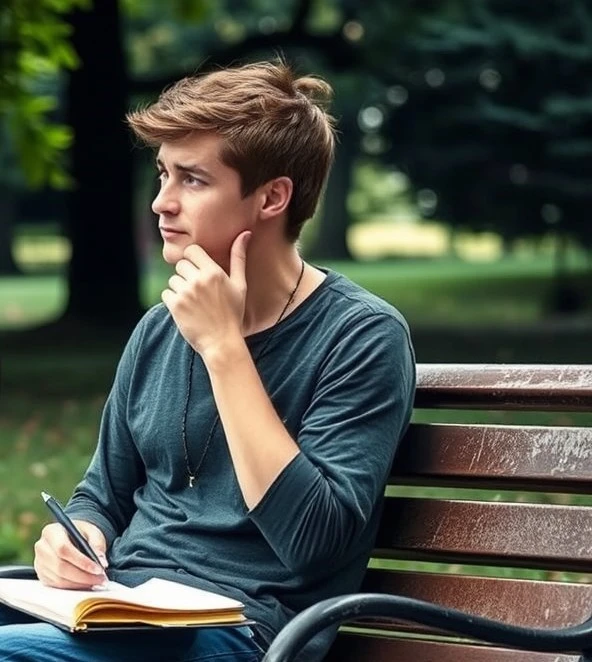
(45, 444)
(52, 392)
(442, 291)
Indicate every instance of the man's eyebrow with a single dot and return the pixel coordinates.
(193, 168)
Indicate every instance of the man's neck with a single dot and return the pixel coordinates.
(271, 280)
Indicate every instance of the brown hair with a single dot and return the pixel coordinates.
(273, 125)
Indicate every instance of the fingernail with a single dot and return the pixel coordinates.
(103, 560)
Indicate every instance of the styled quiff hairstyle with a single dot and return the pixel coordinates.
(273, 124)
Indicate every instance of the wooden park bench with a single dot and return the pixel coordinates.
(428, 569)
(427, 586)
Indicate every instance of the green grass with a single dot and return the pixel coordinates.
(45, 445)
(30, 300)
(443, 291)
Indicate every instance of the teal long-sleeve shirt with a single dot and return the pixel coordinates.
(340, 373)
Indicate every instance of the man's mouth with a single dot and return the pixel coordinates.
(168, 233)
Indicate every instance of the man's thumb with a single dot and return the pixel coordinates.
(238, 255)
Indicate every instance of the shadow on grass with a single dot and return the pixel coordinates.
(557, 342)
(64, 358)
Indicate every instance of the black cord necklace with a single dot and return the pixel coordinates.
(192, 473)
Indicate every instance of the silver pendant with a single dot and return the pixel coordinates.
(191, 479)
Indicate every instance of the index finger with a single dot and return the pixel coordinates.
(64, 549)
(186, 268)
(198, 256)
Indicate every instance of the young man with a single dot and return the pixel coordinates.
(246, 441)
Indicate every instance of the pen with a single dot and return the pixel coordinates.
(73, 533)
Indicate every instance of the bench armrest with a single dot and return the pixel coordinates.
(17, 572)
(335, 611)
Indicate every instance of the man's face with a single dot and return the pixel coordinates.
(200, 199)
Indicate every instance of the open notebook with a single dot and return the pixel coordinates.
(156, 603)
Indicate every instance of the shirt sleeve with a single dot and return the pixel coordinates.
(104, 496)
(322, 502)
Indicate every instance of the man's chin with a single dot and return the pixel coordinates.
(172, 254)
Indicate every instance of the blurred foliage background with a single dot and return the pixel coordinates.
(461, 190)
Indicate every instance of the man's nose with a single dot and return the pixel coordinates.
(165, 202)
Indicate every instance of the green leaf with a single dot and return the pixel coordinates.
(60, 179)
(59, 137)
(32, 65)
(63, 6)
(191, 10)
(65, 55)
(37, 105)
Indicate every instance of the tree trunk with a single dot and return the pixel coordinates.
(8, 266)
(565, 298)
(103, 271)
(331, 240)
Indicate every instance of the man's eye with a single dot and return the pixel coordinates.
(191, 180)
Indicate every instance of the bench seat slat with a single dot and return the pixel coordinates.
(351, 647)
(508, 534)
(528, 603)
(547, 458)
(504, 387)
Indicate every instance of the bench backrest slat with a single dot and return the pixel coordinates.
(518, 601)
(503, 456)
(492, 386)
(526, 535)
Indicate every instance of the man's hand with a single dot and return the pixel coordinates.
(207, 304)
(58, 563)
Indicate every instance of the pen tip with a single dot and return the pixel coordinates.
(45, 496)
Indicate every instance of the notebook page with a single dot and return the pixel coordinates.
(167, 595)
(48, 601)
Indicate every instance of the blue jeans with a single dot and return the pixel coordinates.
(24, 639)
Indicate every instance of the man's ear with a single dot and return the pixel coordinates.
(276, 194)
